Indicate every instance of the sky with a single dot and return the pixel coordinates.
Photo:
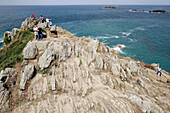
(84, 2)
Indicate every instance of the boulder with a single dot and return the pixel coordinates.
(47, 57)
(28, 73)
(30, 51)
(42, 45)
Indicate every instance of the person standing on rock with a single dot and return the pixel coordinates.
(159, 70)
(41, 19)
(35, 29)
(39, 33)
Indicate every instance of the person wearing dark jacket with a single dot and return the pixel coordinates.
(39, 33)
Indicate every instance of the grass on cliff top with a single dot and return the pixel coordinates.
(12, 54)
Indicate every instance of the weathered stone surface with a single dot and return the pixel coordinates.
(8, 78)
(30, 51)
(26, 23)
(42, 45)
(53, 81)
(42, 25)
(144, 103)
(47, 57)
(28, 73)
(66, 52)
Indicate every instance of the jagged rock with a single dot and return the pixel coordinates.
(53, 84)
(9, 76)
(30, 51)
(14, 31)
(140, 82)
(77, 49)
(47, 57)
(115, 68)
(144, 103)
(66, 52)
(28, 73)
(99, 61)
(27, 23)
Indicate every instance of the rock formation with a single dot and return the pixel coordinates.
(77, 75)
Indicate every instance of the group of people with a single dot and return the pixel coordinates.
(42, 20)
(38, 30)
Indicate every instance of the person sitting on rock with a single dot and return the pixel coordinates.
(35, 29)
(39, 33)
(159, 70)
(50, 23)
(41, 19)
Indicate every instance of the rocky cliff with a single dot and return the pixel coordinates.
(66, 74)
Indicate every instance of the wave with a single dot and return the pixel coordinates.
(126, 33)
(1, 40)
(140, 28)
(118, 48)
(104, 37)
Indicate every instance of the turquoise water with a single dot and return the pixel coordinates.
(145, 35)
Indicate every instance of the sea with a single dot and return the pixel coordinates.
(144, 36)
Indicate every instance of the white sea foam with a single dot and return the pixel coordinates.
(115, 36)
(140, 28)
(1, 40)
(118, 48)
(126, 33)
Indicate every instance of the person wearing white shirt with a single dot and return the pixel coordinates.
(159, 68)
(35, 29)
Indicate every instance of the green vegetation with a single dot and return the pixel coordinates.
(6, 40)
(12, 54)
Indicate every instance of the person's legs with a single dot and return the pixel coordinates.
(41, 36)
(160, 73)
(38, 36)
(157, 72)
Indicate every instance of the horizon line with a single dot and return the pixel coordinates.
(91, 5)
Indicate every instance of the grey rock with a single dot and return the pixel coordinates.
(53, 28)
(145, 104)
(42, 45)
(47, 57)
(42, 25)
(27, 75)
(66, 52)
(8, 76)
(53, 80)
(77, 49)
(25, 24)
(30, 51)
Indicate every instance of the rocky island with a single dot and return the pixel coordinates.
(153, 11)
(110, 7)
(66, 74)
